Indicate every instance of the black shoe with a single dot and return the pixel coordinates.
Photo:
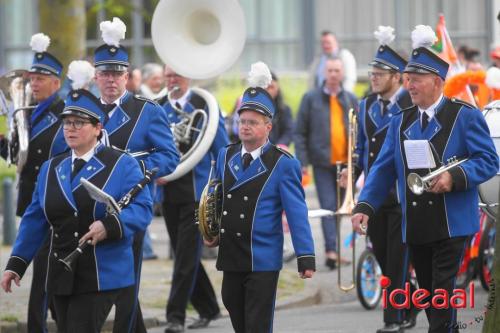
(173, 327)
(391, 328)
(331, 263)
(202, 322)
(411, 319)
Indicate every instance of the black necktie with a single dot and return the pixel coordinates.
(425, 120)
(385, 104)
(109, 107)
(78, 164)
(247, 159)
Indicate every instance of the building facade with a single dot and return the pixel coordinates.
(283, 33)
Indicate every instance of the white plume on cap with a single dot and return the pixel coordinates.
(81, 72)
(113, 31)
(259, 75)
(384, 34)
(423, 36)
(493, 78)
(39, 42)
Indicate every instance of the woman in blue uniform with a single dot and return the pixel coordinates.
(63, 208)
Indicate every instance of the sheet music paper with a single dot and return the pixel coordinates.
(419, 154)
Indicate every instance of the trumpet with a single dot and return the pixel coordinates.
(419, 184)
(348, 203)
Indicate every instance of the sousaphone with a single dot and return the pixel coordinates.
(198, 39)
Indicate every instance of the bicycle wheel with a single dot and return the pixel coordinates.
(486, 253)
(466, 269)
(368, 280)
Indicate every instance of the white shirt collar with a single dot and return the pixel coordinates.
(116, 102)
(87, 156)
(182, 100)
(431, 110)
(255, 153)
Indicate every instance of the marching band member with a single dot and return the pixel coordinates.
(46, 140)
(63, 209)
(436, 224)
(135, 124)
(388, 98)
(181, 197)
(259, 181)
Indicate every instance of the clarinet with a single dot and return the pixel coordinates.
(124, 202)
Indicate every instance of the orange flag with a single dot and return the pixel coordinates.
(444, 48)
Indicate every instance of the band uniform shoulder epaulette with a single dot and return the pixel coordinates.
(464, 103)
(284, 152)
(403, 110)
(233, 144)
(145, 99)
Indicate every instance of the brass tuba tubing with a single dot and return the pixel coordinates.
(348, 203)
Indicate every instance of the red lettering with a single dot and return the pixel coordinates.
(418, 296)
(440, 299)
(405, 292)
(459, 299)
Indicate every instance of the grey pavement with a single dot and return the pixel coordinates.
(313, 305)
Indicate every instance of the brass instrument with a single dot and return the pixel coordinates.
(348, 203)
(198, 40)
(208, 216)
(15, 100)
(419, 184)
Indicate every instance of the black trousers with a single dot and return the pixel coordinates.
(128, 315)
(84, 313)
(249, 298)
(392, 255)
(190, 282)
(436, 265)
(39, 302)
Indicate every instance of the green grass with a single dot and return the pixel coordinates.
(9, 318)
(293, 87)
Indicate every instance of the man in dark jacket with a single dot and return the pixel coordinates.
(321, 140)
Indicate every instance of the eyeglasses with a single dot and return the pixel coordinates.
(250, 122)
(378, 75)
(76, 124)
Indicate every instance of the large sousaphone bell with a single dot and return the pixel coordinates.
(15, 100)
(198, 39)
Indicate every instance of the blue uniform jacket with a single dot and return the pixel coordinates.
(372, 127)
(139, 124)
(199, 174)
(457, 130)
(251, 233)
(63, 208)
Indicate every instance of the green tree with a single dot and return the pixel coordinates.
(64, 22)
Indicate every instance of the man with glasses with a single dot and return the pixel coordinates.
(46, 141)
(190, 282)
(134, 124)
(259, 181)
(376, 111)
(321, 140)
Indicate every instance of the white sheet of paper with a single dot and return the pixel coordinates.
(316, 213)
(419, 154)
